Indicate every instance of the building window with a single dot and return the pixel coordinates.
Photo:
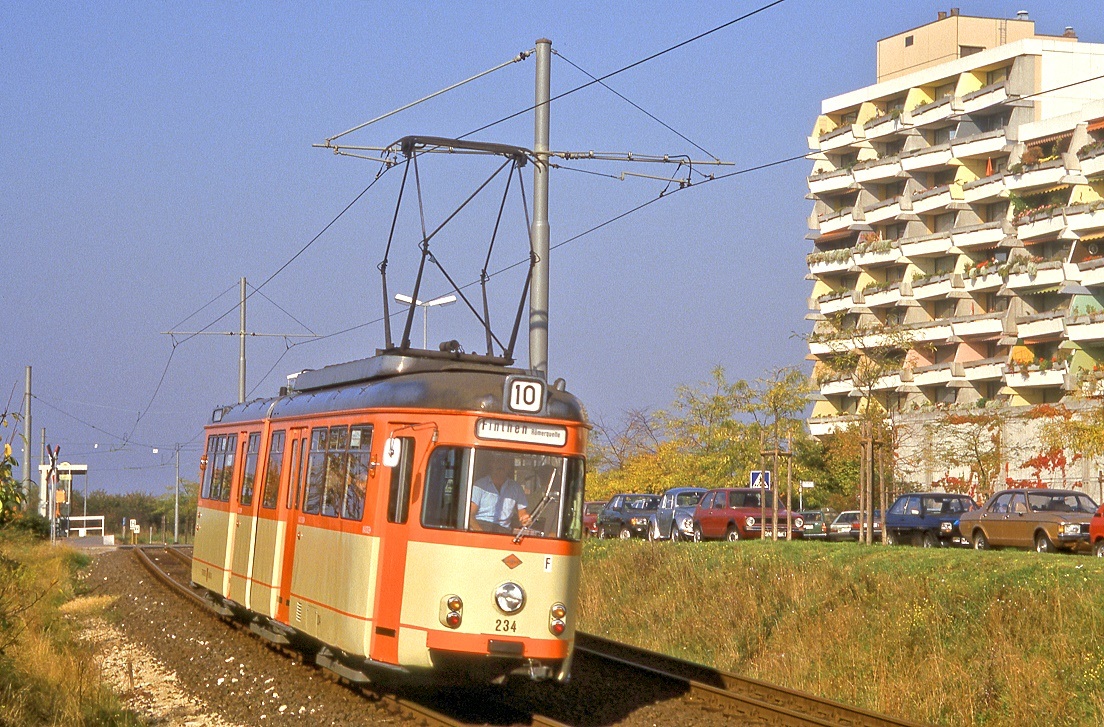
(969, 50)
(908, 41)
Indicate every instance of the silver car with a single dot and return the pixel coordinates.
(674, 518)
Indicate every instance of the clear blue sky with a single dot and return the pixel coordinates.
(153, 153)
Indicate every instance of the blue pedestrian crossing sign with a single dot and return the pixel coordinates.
(760, 479)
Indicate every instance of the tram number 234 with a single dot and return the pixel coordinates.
(505, 624)
(525, 395)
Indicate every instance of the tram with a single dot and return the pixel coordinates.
(417, 513)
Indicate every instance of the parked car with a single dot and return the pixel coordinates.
(674, 518)
(590, 517)
(815, 524)
(929, 519)
(1045, 519)
(735, 514)
(1096, 532)
(627, 515)
(846, 526)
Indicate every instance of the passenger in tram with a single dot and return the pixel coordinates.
(496, 498)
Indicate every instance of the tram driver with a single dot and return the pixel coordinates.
(496, 497)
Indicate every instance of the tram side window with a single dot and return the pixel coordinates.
(295, 474)
(252, 452)
(271, 491)
(445, 491)
(228, 467)
(212, 449)
(402, 474)
(359, 460)
(336, 467)
(316, 472)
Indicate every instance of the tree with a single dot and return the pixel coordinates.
(11, 493)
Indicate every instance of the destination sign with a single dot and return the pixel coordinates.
(527, 432)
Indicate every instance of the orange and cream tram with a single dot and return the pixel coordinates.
(341, 517)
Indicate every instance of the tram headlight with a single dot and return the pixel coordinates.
(556, 623)
(558, 627)
(509, 597)
(559, 611)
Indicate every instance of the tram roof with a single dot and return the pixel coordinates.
(399, 380)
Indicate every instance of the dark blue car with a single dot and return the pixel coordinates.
(929, 519)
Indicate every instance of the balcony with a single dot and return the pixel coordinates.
(1086, 328)
(931, 200)
(978, 237)
(979, 145)
(987, 324)
(937, 286)
(934, 245)
(983, 98)
(836, 221)
(932, 112)
(1086, 219)
(877, 170)
(1038, 176)
(1092, 272)
(1033, 276)
(888, 209)
(1035, 377)
(835, 181)
(985, 369)
(881, 298)
(1041, 224)
(890, 382)
(877, 253)
(1092, 164)
(840, 387)
(829, 261)
(936, 331)
(823, 426)
(986, 279)
(1041, 326)
(886, 125)
(985, 190)
(936, 375)
(835, 302)
(845, 135)
(928, 158)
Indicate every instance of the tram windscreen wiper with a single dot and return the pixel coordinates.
(548, 497)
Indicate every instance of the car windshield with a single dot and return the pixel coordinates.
(1060, 502)
(498, 491)
(688, 499)
(644, 502)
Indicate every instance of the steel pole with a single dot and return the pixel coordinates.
(538, 298)
(241, 348)
(27, 442)
(176, 503)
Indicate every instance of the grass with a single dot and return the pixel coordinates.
(47, 677)
(940, 636)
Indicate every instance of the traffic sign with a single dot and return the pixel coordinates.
(760, 479)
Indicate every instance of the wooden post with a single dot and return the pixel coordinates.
(762, 494)
(789, 487)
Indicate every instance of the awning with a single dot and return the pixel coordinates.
(1096, 125)
(1051, 137)
(830, 236)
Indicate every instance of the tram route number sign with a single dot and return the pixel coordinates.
(524, 395)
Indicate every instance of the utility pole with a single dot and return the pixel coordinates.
(27, 504)
(176, 502)
(540, 233)
(241, 347)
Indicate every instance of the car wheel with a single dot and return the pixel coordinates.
(1098, 549)
(980, 541)
(733, 534)
(624, 533)
(891, 538)
(697, 533)
(652, 534)
(930, 540)
(600, 533)
(1043, 543)
(675, 534)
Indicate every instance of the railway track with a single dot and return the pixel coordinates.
(732, 698)
(408, 708)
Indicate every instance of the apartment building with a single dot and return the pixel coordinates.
(958, 217)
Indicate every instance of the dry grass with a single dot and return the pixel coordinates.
(47, 677)
(944, 636)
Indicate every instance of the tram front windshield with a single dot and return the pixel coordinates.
(501, 491)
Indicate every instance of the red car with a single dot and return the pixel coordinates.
(590, 517)
(1096, 532)
(734, 514)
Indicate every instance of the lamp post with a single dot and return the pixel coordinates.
(443, 300)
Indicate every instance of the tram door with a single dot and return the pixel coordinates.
(230, 491)
(291, 517)
(271, 530)
(244, 506)
(393, 530)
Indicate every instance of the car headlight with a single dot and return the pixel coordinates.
(1070, 528)
(749, 521)
(799, 522)
(509, 597)
(946, 527)
(638, 521)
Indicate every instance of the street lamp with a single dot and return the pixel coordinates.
(443, 300)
